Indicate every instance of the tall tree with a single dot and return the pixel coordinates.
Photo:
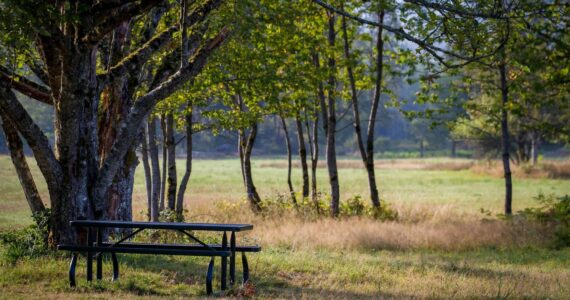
(366, 152)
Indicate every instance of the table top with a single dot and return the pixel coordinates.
(163, 225)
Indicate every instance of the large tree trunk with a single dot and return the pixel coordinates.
(302, 156)
(366, 154)
(27, 182)
(76, 143)
(288, 145)
(505, 138)
(331, 122)
(155, 169)
(171, 148)
(188, 172)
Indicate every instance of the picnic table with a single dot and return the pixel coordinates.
(95, 246)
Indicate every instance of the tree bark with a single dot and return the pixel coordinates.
(155, 169)
(314, 148)
(188, 172)
(288, 145)
(422, 150)
(331, 122)
(163, 129)
(303, 156)
(171, 148)
(247, 146)
(116, 99)
(147, 172)
(505, 138)
(27, 182)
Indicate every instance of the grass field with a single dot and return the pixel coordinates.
(441, 247)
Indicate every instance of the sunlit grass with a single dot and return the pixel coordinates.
(440, 248)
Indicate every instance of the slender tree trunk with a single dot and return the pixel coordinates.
(505, 138)
(247, 146)
(155, 169)
(534, 148)
(171, 148)
(188, 172)
(319, 106)
(331, 123)
(314, 159)
(366, 154)
(453, 148)
(422, 150)
(303, 156)
(288, 144)
(27, 182)
(164, 162)
(147, 172)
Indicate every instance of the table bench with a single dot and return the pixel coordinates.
(97, 247)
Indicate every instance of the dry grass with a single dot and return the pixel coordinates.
(547, 169)
(366, 234)
(418, 227)
(550, 169)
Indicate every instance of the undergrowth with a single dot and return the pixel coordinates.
(29, 242)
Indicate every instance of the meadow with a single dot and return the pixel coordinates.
(441, 246)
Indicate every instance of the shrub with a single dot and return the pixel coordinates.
(28, 242)
(554, 211)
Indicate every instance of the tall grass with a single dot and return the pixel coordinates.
(417, 227)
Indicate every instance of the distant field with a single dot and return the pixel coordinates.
(440, 248)
(401, 182)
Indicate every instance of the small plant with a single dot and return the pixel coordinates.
(29, 242)
(553, 211)
(353, 206)
(384, 213)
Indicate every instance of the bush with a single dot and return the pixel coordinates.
(29, 242)
(553, 211)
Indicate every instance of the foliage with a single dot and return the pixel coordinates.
(553, 211)
(308, 209)
(30, 242)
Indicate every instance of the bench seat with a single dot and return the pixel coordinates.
(216, 247)
(212, 250)
(147, 250)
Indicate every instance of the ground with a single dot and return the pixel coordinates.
(442, 246)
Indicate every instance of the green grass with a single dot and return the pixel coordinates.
(287, 272)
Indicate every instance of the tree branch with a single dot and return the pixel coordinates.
(142, 107)
(135, 60)
(434, 51)
(112, 18)
(48, 164)
(25, 86)
(21, 165)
